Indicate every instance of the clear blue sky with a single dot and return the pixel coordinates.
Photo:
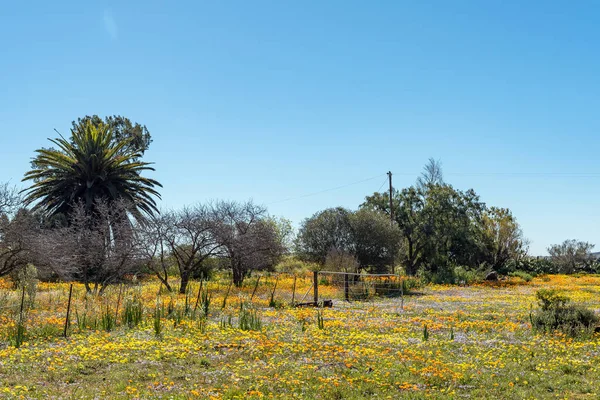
(273, 100)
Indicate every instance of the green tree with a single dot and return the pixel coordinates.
(376, 240)
(92, 166)
(408, 206)
(438, 225)
(502, 238)
(452, 225)
(326, 230)
(340, 234)
(137, 136)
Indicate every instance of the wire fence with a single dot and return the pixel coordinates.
(59, 308)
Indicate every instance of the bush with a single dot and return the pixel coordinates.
(531, 265)
(397, 288)
(464, 276)
(556, 314)
(24, 277)
(521, 274)
(549, 299)
(453, 275)
(442, 276)
(292, 265)
(206, 270)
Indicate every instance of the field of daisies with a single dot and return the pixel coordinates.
(221, 342)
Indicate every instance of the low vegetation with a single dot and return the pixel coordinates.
(558, 314)
(447, 342)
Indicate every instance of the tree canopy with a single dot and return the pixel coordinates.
(365, 235)
(92, 165)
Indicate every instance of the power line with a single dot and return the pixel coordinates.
(465, 174)
(327, 190)
(525, 174)
(383, 183)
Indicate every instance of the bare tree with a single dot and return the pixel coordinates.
(16, 231)
(571, 255)
(154, 248)
(249, 240)
(188, 237)
(9, 199)
(97, 249)
(431, 175)
(16, 241)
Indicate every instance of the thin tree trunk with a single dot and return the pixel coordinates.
(185, 279)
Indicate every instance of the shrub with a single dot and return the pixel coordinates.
(465, 276)
(397, 288)
(551, 299)
(521, 274)
(556, 314)
(25, 276)
(453, 275)
(531, 265)
(292, 265)
(208, 268)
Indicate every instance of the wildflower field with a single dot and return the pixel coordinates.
(443, 342)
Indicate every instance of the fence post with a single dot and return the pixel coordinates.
(118, 303)
(198, 297)
(316, 287)
(346, 288)
(226, 295)
(402, 294)
(255, 287)
(68, 311)
(294, 291)
(22, 304)
(272, 299)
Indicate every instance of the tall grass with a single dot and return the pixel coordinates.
(157, 318)
(133, 312)
(249, 320)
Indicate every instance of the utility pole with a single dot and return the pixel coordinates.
(389, 174)
(391, 210)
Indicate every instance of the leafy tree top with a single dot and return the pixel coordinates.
(92, 165)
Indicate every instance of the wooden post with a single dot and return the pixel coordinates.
(316, 287)
(226, 295)
(294, 291)
(118, 303)
(346, 288)
(402, 294)
(198, 297)
(68, 310)
(255, 287)
(272, 300)
(22, 306)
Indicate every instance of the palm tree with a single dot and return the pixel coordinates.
(92, 167)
